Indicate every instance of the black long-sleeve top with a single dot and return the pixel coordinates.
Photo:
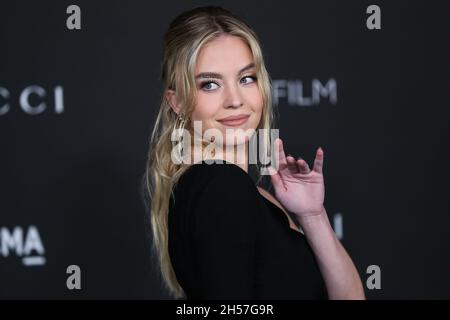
(227, 241)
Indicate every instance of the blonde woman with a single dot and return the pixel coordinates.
(216, 233)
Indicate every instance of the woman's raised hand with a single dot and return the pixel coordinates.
(298, 188)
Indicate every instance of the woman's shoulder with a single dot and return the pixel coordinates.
(220, 196)
(216, 174)
(223, 184)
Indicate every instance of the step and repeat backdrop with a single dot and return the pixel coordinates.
(368, 81)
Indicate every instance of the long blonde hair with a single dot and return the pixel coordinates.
(186, 35)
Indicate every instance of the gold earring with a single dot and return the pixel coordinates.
(179, 126)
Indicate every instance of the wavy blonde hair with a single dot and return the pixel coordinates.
(186, 35)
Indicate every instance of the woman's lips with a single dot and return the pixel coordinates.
(234, 121)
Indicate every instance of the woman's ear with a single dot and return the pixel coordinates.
(173, 101)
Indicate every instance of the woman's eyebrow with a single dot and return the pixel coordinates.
(219, 76)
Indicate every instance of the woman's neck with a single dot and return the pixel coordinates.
(237, 154)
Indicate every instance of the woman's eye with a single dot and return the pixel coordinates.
(252, 79)
(211, 85)
(207, 86)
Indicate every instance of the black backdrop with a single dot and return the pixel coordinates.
(77, 107)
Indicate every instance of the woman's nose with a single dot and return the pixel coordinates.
(233, 97)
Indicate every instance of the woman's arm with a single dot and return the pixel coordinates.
(224, 231)
(338, 271)
(302, 191)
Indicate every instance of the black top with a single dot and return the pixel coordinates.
(227, 241)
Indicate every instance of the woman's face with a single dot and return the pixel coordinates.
(226, 86)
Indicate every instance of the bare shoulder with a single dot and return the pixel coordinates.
(272, 199)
